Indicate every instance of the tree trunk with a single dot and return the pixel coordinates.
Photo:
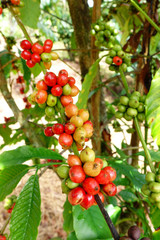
(81, 20)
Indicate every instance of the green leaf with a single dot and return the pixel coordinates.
(128, 196)
(30, 13)
(26, 213)
(156, 235)
(36, 70)
(155, 155)
(153, 107)
(26, 72)
(90, 224)
(154, 216)
(4, 59)
(136, 178)
(72, 236)
(5, 133)
(9, 178)
(24, 153)
(86, 85)
(68, 217)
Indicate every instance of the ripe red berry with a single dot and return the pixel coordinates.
(65, 100)
(30, 63)
(110, 189)
(37, 48)
(91, 186)
(15, 2)
(117, 60)
(62, 79)
(10, 209)
(25, 99)
(48, 132)
(103, 177)
(20, 79)
(21, 90)
(1, 10)
(2, 237)
(41, 96)
(57, 90)
(88, 201)
(111, 171)
(76, 196)
(47, 48)
(28, 105)
(41, 85)
(89, 122)
(26, 45)
(63, 71)
(69, 128)
(77, 174)
(71, 81)
(48, 42)
(50, 79)
(58, 128)
(26, 55)
(36, 58)
(65, 140)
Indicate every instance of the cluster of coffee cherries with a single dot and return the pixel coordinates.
(14, 3)
(104, 33)
(36, 53)
(134, 233)
(77, 128)
(20, 81)
(132, 106)
(117, 57)
(152, 187)
(10, 202)
(54, 91)
(85, 176)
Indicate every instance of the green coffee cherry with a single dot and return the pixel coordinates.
(124, 67)
(127, 117)
(140, 107)
(50, 111)
(42, 105)
(117, 48)
(136, 93)
(124, 100)
(112, 53)
(142, 99)
(121, 54)
(108, 60)
(107, 33)
(119, 115)
(121, 108)
(51, 100)
(63, 171)
(141, 117)
(65, 189)
(71, 184)
(158, 178)
(155, 197)
(133, 103)
(145, 190)
(154, 187)
(150, 177)
(132, 112)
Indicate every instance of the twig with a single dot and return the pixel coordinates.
(5, 225)
(107, 218)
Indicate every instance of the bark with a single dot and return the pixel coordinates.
(96, 98)
(79, 11)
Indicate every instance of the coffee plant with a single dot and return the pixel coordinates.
(65, 130)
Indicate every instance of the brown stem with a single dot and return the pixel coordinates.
(107, 218)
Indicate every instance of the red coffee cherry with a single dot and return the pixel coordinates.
(76, 196)
(58, 128)
(36, 58)
(117, 60)
(50, 79)
(77, 174)
(57, 90)
(26, 55)
(37, 48)
(110, 189)
(48, 132)
(91, 186)
(30, 63)
(26, 45)
(65, 140)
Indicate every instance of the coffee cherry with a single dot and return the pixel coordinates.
(26, 45)
(80, 135)
(87, 155)
(124, 100)
(15, 2)
(41, 96)
(50, 79)
(71, 110)
(30, 63)
(46, 57)
(1, 10)
(48, 42)
(77, 121)
(71, 81)
(103, 177)
(37, 48)
(117, 60)
(91, 186)
(35, 58)
(63, 71)
(84, 114)
(62, 79)
(110, 189)
(77, 174)
(65, 140)
(134, 232)
(49, 111)
(74, 91)
(63, 171)
(57, 90)
(71, 184)
(41, 85)
(111, 171)
(88, 201)
(65, 100)
(26, 55)
(47, 49)
(91, 169)
(69, 128)
(76, 196)
(66, 90)
(58, 128)
(48, 132)
(73, 160)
